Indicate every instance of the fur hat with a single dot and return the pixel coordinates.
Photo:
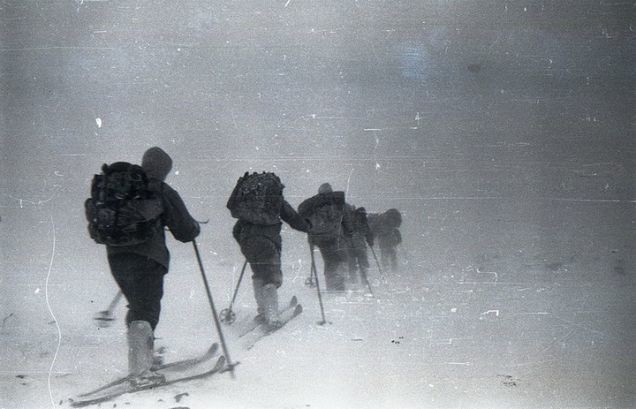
(325, 188)
(156, 163)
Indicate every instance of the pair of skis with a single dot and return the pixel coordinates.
(173, 372)
(255, 331)
(187, 369)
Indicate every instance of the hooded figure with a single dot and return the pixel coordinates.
(386, 228)
(325, 188)
(330, 229)
(156, 163)
(357, 249)
(139, 269)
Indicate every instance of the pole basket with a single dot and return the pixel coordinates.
(103, 319)
(309, 282)
(227, 316)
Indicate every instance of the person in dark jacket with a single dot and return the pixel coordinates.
(261, 244)
(331, 227)
(139, 269)
(357, 249)
(386, 229)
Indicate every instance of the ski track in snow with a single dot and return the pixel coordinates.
(48, 304)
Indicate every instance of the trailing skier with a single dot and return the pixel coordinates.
(357, 248)
(128, 209)
(386, 228)
(330, 229)
(258, 203)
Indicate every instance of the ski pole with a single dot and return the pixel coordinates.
(115, 301)
(363, 273)
(216, 318)
(104, 318)
(227, 315)
(315, 273)
(376, 260)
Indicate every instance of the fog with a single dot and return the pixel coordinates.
(503, 131)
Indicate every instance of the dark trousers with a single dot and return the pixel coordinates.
(335, 258)
(264, 258)
(388, 257)
(141, 281)
(357, 259)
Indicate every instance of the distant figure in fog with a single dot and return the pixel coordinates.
(330, 229)
(357, 249)
(386, 229)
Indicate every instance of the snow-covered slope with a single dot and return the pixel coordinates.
(509, 324)
(502, 130)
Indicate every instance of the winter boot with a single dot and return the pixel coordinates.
(140, 346)
(270, 299)
(260, 303)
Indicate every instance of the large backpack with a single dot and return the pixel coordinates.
(122, 210)
(325, 212)
(384, 223)
(393, 218)
(257, 198)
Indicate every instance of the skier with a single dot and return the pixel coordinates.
(258, 203)
(139, 267)
(357, 249)
(386, 228)
(330, 228)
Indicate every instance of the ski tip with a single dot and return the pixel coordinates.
(293, 301)
(298, 309)
(213, 350)
(78, 404)
(220, 364)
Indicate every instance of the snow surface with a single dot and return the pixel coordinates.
(503, 132)
(517, 324)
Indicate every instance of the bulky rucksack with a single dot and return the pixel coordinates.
(325, 213)
(257, 198)
(122, 210)
(393, 218)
